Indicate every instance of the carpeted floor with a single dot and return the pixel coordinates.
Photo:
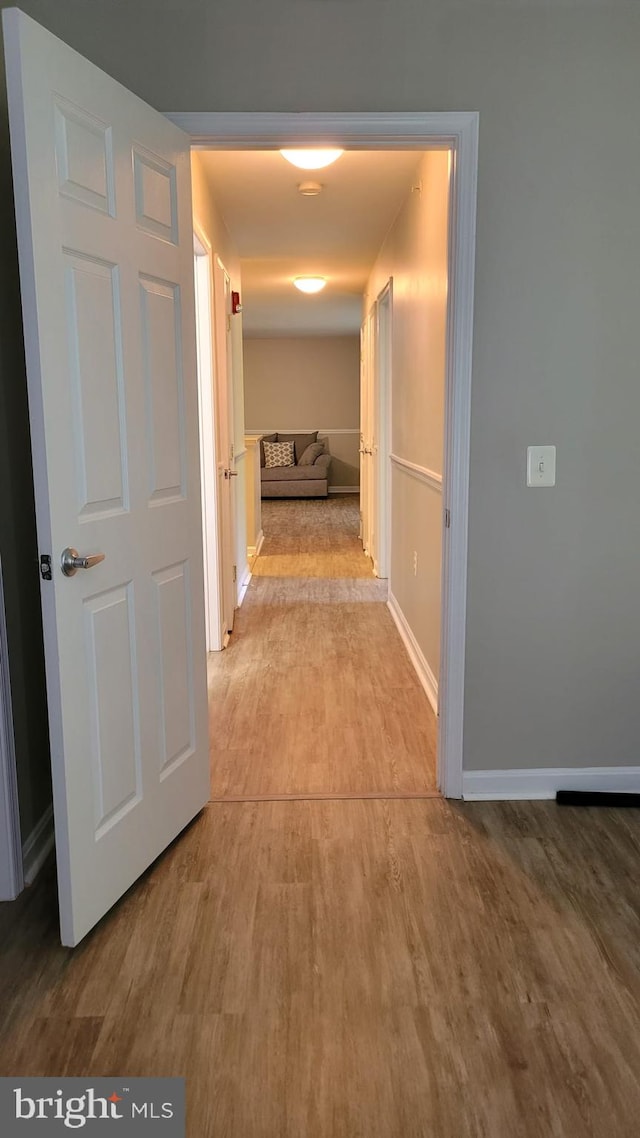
(315, 694)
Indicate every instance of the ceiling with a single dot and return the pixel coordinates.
(280, 234)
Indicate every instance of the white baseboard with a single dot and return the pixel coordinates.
(543, 782)
(423, 671)
(344, 490)
(37, 846)
(11, 881)
(243, 585)
(254, 550)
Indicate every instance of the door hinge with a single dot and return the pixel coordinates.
(45, 567)
(228, 323)
(447, 519)
(235, 573)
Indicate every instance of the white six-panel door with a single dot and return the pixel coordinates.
(103, 201)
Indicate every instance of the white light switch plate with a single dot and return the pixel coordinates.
(541, 466)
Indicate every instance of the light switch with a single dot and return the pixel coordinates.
(541, 466)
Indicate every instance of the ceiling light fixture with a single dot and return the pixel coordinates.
(310, 284)
(311, 159)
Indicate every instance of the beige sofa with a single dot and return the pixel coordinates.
(309, 478)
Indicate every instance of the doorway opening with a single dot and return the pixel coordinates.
(460, 134)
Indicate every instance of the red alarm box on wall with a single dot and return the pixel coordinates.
(236, 306)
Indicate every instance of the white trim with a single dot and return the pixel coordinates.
(458, 131)
(385, 130)
(223, 354)
(544, 782)
(37, 846)
(344, 490)
(453, 592)
(208, 444)
(254, 550)
(383, 363)
(306, 431)
(416, 655)
(243, 585)
(11, 873)
(429, 477)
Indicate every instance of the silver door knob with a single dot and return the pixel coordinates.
(71, 561)
(231, 474)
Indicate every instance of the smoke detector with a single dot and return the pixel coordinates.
(310, 189)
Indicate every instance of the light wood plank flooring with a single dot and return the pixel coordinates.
(356, 969)
(315, 693)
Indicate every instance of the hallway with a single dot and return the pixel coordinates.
(315, 695)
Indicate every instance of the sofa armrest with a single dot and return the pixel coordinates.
(322, 464)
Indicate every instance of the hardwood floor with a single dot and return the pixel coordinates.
(356, 969)
(390, 968)
(315, 694)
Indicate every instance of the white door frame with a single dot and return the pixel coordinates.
(208, 441)
(226, 472)
(382, 420)
(457, 131)
(367, 388)
(11, 871)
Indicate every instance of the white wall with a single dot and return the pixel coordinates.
(308, 383)
(553, 620)
(414, 254)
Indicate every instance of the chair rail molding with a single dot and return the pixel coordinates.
(429, 477)
(306, 431)
(402, 130)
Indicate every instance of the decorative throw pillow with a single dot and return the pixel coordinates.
(266, 439)
(279, 454)
(301, 441)
(309, 456)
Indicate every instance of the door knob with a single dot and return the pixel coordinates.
(231, 474)
(71, 561)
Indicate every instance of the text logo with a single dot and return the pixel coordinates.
(122, 1106)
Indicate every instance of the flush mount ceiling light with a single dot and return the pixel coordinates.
(310, 284)
(311, 159)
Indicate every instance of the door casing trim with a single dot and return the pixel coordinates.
(456, 131)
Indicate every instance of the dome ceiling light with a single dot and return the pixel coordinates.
(310, 284)
(311, 159)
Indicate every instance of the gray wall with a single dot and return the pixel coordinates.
(308, 383)
(553, 608)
